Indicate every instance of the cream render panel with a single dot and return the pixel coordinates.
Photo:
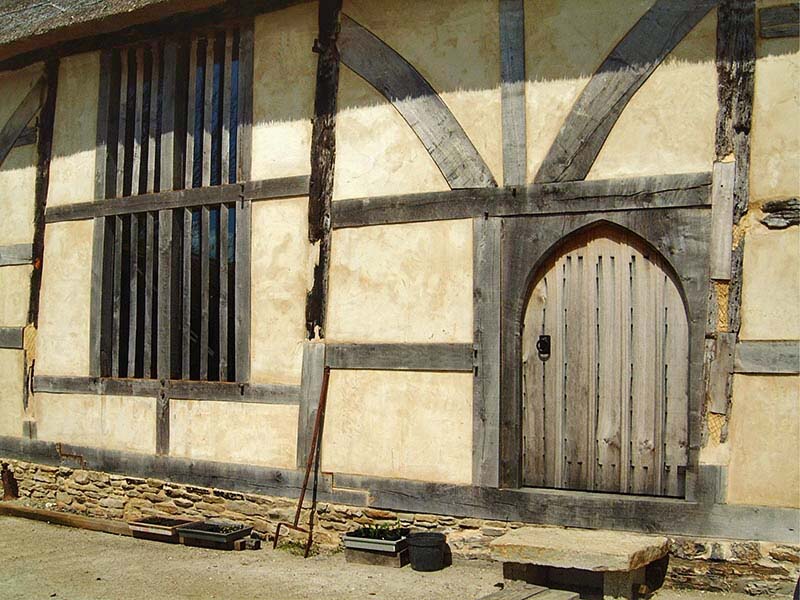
(253, 434)
(283, 91)
(765, 441)
(408, 283)
(63, 340)
(280, 271)
(75, 130)
(409, 425)
(771, 284)
(15, 285)
(111, 422)
(12, 376)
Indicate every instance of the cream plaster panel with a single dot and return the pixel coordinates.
(254, 434)
(455, 45)
(12, 373)
(113, 422)
(765, 441)
(15, 286)
(14, 86)
(17, 195)
(280, 280)
(63, 340)
(401, 283)
(377, 153)
(408, 425)
(564, 44)
(670, 123)
(74, 131)
(283, 93)
(771, 285)
(775, 137)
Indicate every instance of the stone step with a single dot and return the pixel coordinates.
(579, 548)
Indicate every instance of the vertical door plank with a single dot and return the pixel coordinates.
(625, 299)
(553, 382)
(133, 309)
(659, 400)
(223, 292)
(117, 296)
(560, 376)
(149, 263)
(190, 114)
(155, 79)
(208, 109)
(186, 314)
(121, 125)
(609, 400)
(533, 407)
(138, 122)
(591, 344)
(643, 360)
(204, 291)
(226, 109)
(676, 434)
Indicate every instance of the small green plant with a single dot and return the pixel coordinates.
(296, 548)
(389, 532)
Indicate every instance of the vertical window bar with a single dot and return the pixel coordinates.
(134, 293)
(204, 291)
(223, 292)
(123, 112)
(225, 144)
(190, 116)
(208, 110)
(147, 352)
(116, 297)
(155, 77)
(186, 349)
(138, 123)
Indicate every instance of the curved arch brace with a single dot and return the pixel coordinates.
(612, 86)
(419, 104)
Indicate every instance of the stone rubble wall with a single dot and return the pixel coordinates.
(757, 568)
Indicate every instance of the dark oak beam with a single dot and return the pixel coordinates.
(780, 214)
(767, 357)
(22, 115)
(16, 254)
(662, 191)
(615, 82)
(417, 102)
(780, 21)
(253, 191)
(512, 74)
(400, 357)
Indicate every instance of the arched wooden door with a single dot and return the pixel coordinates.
(607, 410)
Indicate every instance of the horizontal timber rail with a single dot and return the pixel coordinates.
(266, 189)
(767, 357)
(554, 507)
(400, 357)
(16, 254)
(640, 193)
(11, 337)
(175, 389)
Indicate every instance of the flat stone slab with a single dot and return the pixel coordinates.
(579, 548)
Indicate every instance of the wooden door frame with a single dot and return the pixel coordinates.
(681, 236)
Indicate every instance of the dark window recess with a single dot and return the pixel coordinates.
(205, 261)
(206, 134)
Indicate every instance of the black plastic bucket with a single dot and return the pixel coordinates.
(426, 551)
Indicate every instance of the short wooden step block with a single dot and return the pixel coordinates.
(530, 592)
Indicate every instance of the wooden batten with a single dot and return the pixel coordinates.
(722, 186)
(205, 280)
(400, 357)
(16, 254)
(223, 292)
(242, 286)
(767, 357)
(186, 303)
(512, 74)
(310, 389)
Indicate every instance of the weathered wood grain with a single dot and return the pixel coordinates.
(165, 320)
(172, 114)
(767, 357)
(244, 153)
(662, 191)
(21, 116)
(152, 129)
(418, 103)
(208, 110)
(186, 292)
(151, 247)
(133, 286)
(116, 297)
(102, 271)
(614, 83)
(512, 75)
(122, 122)
(191, 103)
(400, 357)
(104, 162)
(138, 124)
(780, 214)
(205, 283)
(311, 387)
(242, 291)
(223, 292)
(779, 21)
(11, 337)
(722, 186)
(16, 254)
(720, 374)
(486, 330)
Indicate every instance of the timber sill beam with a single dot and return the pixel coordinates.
(173, 389)
(267, 189)
(640, 193)
(400, 357)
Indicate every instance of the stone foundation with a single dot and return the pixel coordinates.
(715, 565)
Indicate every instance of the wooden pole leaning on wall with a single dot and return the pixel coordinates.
(323, 160)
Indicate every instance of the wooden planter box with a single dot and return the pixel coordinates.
(368, 551)
(160, 529)
(219, 535)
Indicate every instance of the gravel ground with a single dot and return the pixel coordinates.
(38, 560)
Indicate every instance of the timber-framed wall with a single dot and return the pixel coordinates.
(688, 217)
